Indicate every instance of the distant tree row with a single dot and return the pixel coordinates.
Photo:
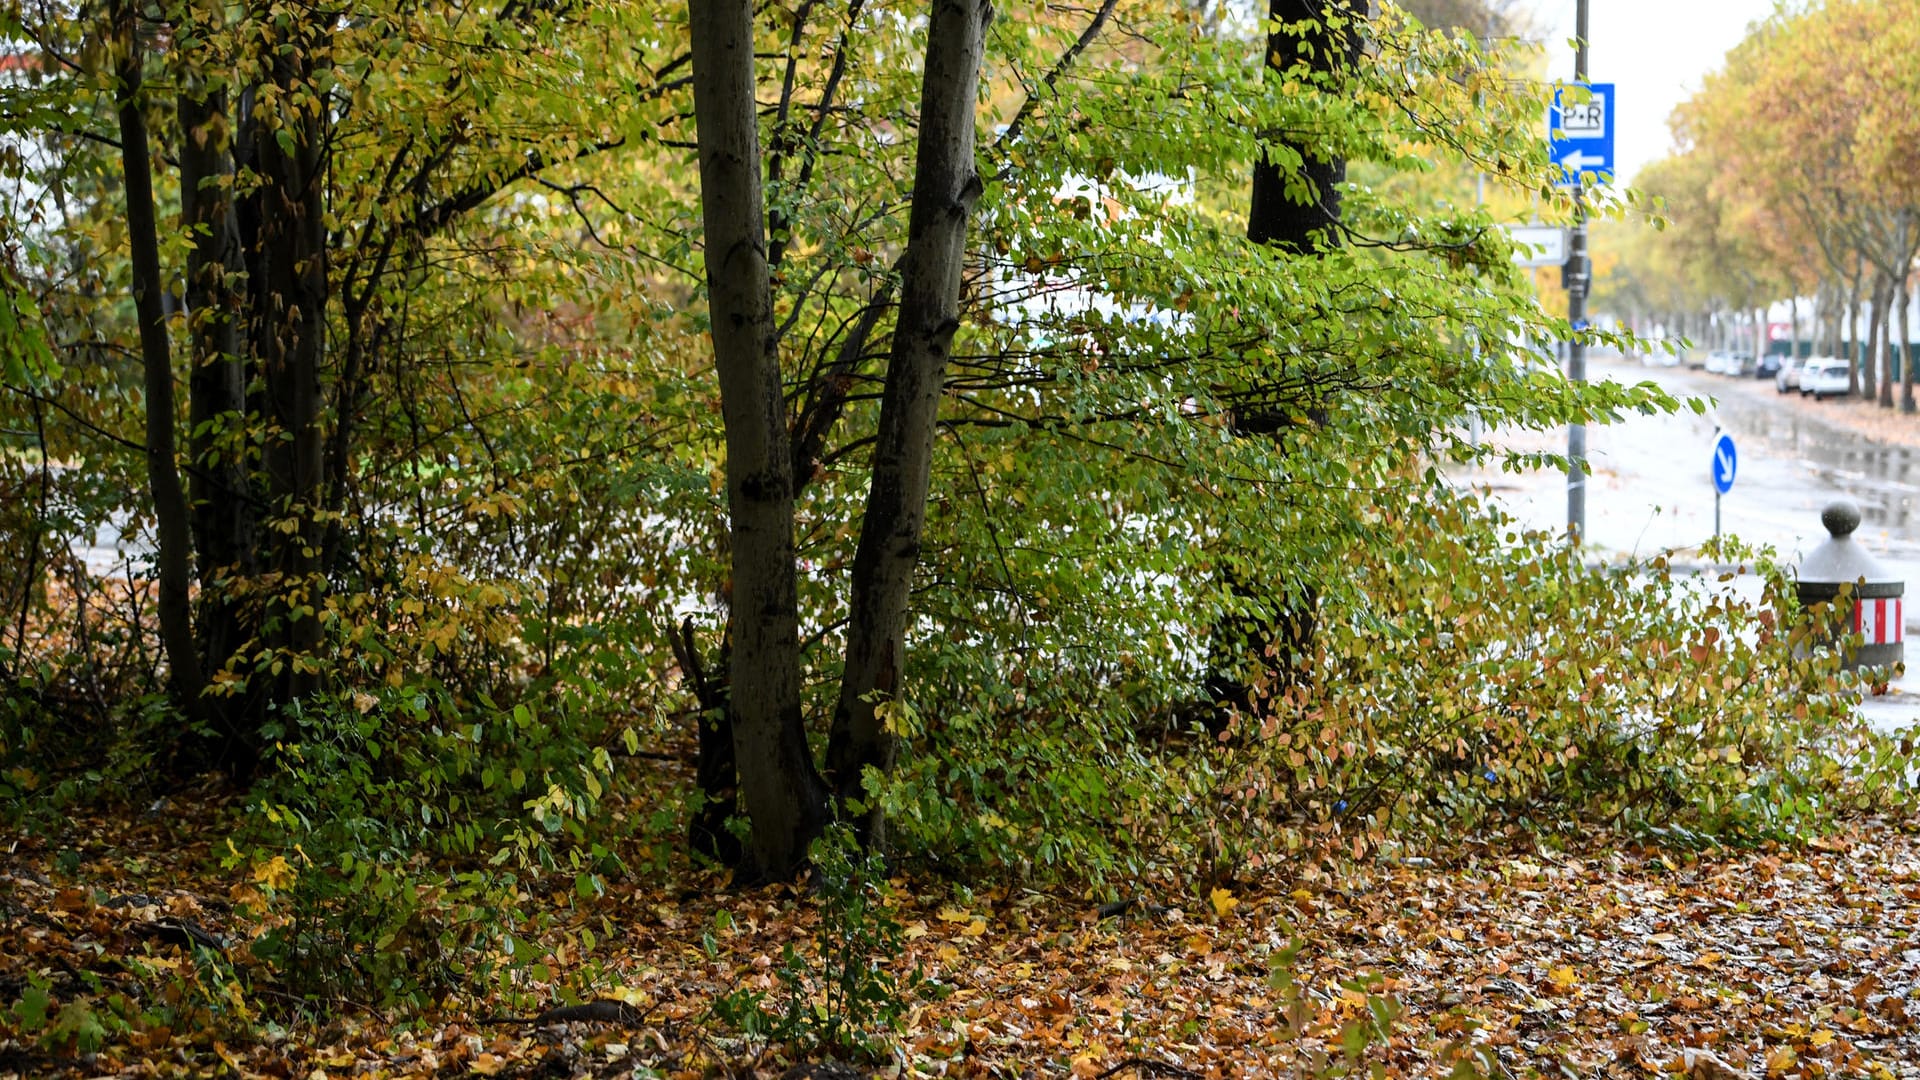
(1797, 177)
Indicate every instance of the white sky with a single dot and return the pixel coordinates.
(1657, 52)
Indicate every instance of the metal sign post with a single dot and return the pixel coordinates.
(1577, 275)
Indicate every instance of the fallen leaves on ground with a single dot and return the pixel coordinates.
(1613, 961)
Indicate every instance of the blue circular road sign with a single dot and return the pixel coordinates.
(1725, 463)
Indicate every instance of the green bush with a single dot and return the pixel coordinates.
(843, 997)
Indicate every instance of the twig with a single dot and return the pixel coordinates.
(602, 1011)
(1150, 1065)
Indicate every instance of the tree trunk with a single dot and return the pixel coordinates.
(785, 799)
(1878, 344)
(1826, 323)
(1330, 46)
(1279, 642)
(1851, 324)
(1906, 348)
(1870, 349)
(224, 532)
(716, 772)
(173, 558)
(288, 303)
(945, 187)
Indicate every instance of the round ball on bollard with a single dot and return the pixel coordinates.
(1841, 517)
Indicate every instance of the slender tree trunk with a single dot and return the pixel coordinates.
(1878, 344)
(785, 799)
(1851, 324)
(1826, 322)
(224, 532)
(215, 320)
(945, 187)
(1870, 349)
(1906, 348)
(288, 302)
(716, 773)
(173, 559)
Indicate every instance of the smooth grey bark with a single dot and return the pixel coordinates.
(784, 797)
(945, 187)
(173, 559)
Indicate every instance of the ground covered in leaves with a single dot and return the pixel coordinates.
(1491, 959)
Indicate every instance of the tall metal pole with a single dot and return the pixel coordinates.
(1577, 281)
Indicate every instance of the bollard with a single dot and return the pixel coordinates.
(1876, 611)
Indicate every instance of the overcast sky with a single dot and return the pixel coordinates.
(1657, 52)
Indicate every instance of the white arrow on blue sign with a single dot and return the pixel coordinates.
(1725, 463)
(1580, 133)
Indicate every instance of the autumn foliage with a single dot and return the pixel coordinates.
(688, 540)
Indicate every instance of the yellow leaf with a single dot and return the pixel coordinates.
(954, 914)
(276, 873)
(947, 953)
(976, 928)
(1223, 902)
(1563, 977)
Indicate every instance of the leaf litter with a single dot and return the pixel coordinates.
(1490, 959)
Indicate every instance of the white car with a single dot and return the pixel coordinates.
(1824, 377)
(1788, 377)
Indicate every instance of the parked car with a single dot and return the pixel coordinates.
(1716, 363)
(1824, 378)
(1788, 377)
(1766, 367)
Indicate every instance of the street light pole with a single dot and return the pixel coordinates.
(1578, 278)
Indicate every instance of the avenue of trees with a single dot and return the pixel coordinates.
(508, 437)
(1793, 181)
